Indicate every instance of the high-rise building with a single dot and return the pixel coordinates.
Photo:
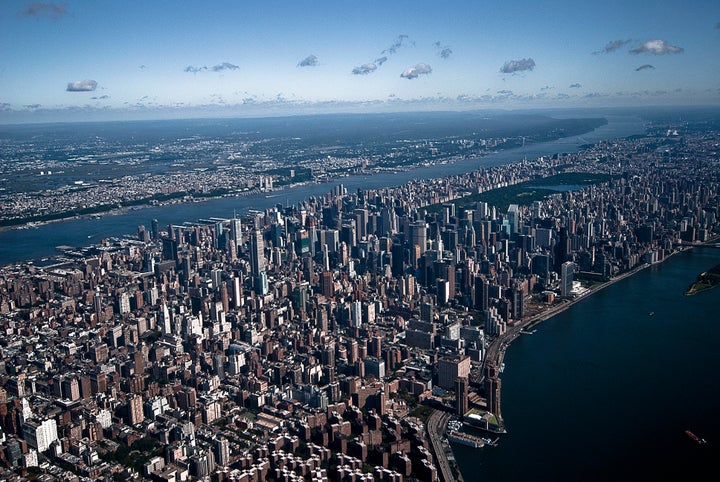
(237, 292)
(302, 242)
(492, 388)
(461, 396)
(361, 221)
(418, 235)
(40, 434)
(155, 226)
(221, 450)
(236, 231)
(513, 217)
(356, 314)
(517, 301)
(566, 278)
(452, 367)
(135, 413)
(443, 291)
(257, 252)
(446, 271)
(375, 367)
(327, 287)
(562, 249)
(481, 293)
(71, 388)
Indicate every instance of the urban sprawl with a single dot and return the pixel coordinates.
(332, 339)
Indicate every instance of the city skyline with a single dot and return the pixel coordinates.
(74, 61)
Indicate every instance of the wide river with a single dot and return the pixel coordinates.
(605, 390)
(24, 244)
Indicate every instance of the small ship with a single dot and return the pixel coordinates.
(697, 439)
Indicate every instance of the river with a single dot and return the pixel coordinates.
(605, 390)
(33, 243)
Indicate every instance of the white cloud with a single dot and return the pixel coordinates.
(415, 72)
(657, 47)
(86, 85)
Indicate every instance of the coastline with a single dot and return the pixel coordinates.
(436, 428)
(500, 344)
(496, 350)
(611, 355)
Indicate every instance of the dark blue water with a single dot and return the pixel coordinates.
(18, 245)
(604, 391)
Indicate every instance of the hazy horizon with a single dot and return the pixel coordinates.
(76, 61)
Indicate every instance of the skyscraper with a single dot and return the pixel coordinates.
(257, 252)
(461, 396)
(418, 235)
(482, 293)
(566, 278)
(236, 231)
(356, 314)
(221, 450)
(513, 217)
(492, 388)
(450, 368)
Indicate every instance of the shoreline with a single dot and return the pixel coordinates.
(324, 179)
(508, 337)
(496, 350)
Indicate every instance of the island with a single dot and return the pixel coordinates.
(335, 338)
(705, 281)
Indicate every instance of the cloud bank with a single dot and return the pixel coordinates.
(364, 69)
(225, 66)
(399, 42)
(576, 85)
(444, 52)
(309, 61)
(369, 67)
(42, 9)
(514, 66)
(215, 68)
(657, 47)
(86, 85)
(612, 46)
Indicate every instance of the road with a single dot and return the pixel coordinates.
(436, 428)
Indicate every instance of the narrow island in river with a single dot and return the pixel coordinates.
(705, 281)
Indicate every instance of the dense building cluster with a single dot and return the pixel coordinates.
(49, 180)
(294, 343)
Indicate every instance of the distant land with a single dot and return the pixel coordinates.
(705, 281)
(58, 171)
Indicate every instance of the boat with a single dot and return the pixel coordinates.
(465, 439)
(695, 438)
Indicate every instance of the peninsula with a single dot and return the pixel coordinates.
(705, 281)
(332, 338)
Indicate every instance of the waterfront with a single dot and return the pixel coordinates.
(605, 390)
(37, 242)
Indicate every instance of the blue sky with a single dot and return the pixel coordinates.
(90, 60)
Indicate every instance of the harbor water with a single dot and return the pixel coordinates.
(607, 389)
